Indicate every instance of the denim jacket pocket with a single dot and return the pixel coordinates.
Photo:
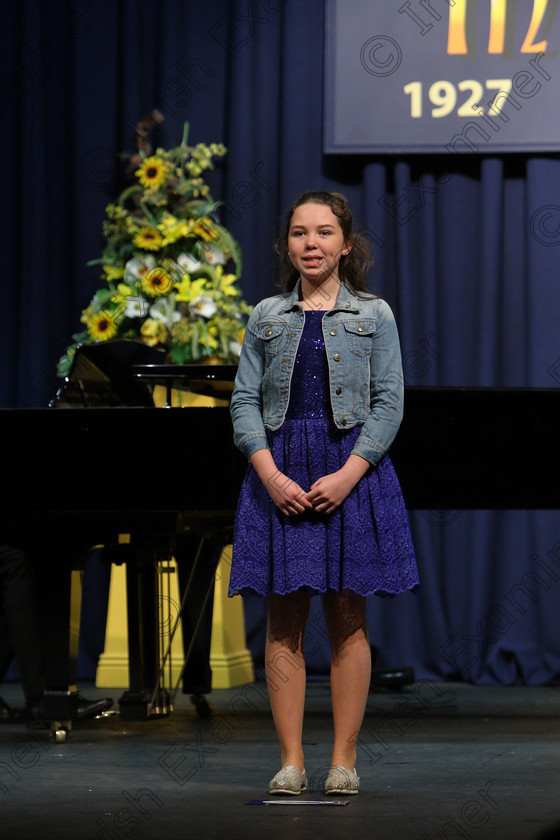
(271, 333)
(359, 333)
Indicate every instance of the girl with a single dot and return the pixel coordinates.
(317, 402)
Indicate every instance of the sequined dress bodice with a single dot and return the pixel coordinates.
(309, 389)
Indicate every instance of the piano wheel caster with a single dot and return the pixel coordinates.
(58, 732)
(201, 705)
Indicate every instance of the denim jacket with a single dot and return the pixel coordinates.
(365, 370)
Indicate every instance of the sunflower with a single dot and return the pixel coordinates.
(157, 282)
(152, 173)
(174, 229)
(102, 326)
(148, 238)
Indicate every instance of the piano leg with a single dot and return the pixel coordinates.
(199, 575)
(139, 702)
(61, 596)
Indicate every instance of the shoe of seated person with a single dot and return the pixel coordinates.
(35, 711)
(7, 713)
(92, 708)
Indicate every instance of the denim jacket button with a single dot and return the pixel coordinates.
(269, 331)
(336, 357)
(338, 391)
(344, 421)
(333, 332)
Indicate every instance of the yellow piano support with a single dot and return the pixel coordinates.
(230, 660)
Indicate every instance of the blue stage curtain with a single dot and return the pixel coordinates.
(467, 254)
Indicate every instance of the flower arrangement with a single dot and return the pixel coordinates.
(165, 263)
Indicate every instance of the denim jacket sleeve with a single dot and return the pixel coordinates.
(249, 433)
(386, 389)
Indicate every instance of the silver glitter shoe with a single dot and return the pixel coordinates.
(288, 780)
(341, 781)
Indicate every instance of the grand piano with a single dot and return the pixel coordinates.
(78, 477)
(102, 463)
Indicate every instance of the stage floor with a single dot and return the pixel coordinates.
(436, 761)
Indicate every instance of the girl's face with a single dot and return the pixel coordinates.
(315, 242)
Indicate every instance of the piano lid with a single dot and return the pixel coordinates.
(101, 376)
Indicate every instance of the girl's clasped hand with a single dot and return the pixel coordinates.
(324, 496)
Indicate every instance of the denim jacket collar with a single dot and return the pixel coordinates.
(345, 301)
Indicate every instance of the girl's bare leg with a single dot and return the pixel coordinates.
(345, 613)
(285, 671)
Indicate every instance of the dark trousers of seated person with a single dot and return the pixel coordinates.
(19, 628)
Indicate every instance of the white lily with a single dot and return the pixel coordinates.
(137, 267)
(213, 255)
(164, 310)
(189, 262)
(204, 306)
(136, 307)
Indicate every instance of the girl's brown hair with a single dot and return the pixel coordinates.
(353, 267)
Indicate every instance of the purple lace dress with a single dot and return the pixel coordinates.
(365, 545)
